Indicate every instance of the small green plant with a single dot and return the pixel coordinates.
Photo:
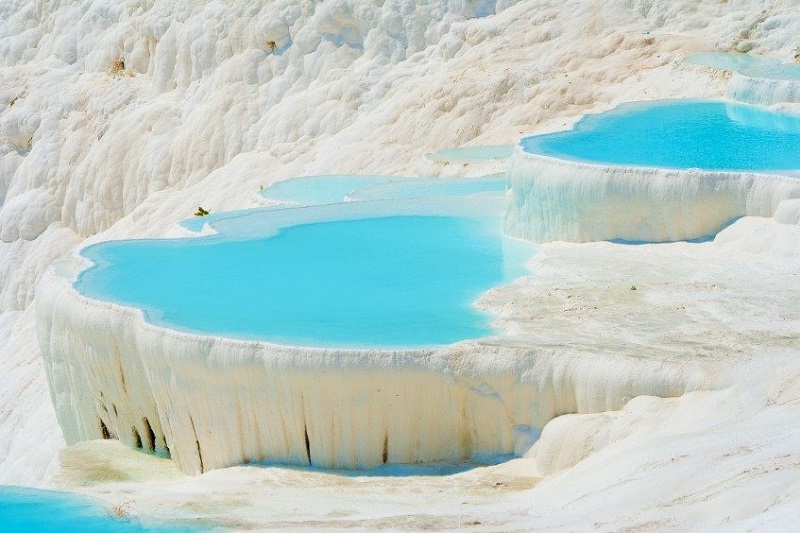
(633, 287)
(201, 212)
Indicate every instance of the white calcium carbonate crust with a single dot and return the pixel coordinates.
(214, 402)
(119, 118)
(550, 199)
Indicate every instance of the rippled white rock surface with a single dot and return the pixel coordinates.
(204, 109)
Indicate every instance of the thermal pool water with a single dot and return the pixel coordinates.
(654, 172)
(44, 511)
(395, 281)
(703, 135)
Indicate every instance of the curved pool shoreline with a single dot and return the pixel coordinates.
(707, 135)
(563, 198)
(212, 402)
(353, 274)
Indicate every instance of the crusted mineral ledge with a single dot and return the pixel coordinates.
(212, 402)
(550, 199)
(763, 91)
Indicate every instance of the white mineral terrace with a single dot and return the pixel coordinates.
(664, 378)
(214, 402)
(551, 199)
(756, 79)
(763, 91)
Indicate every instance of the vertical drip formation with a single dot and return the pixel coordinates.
(763, 91)
(212, 402)
(755, 79)
(661, 171)
(551, 199)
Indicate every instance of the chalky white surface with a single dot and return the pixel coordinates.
(213, 100)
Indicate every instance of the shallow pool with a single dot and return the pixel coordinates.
(392, 281)
(24, 509)
(319, 190)
(750, 65)
(707, 135)
(326, 190)
(472, 154)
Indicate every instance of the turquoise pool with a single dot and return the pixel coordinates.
(706, 135)
(319, 190)
(380, 282)
(305, 191)
(42, 511)
(326, 190)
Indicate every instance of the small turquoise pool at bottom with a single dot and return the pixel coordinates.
(24, 509)
(389, 282)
